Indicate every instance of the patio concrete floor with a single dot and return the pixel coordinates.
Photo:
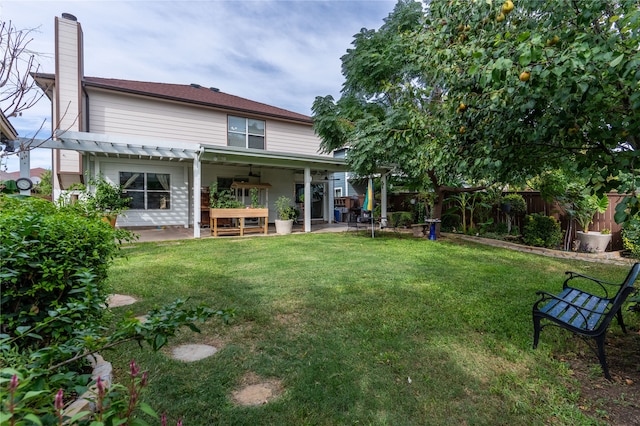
(169, 233)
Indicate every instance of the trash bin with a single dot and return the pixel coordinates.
(432, 231)
(338, 215)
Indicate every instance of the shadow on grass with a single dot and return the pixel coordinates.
(377, 331)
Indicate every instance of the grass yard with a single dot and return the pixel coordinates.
(354, 330)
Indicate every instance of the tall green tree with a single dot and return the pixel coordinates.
(385, 114)
(531, 86)
(493, 90)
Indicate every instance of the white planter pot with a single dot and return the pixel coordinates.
(593, 242)
(284, 227)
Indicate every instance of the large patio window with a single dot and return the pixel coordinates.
(245, 132)
(148, 191)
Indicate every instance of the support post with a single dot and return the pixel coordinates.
(307, 199)
(383, 200)
(25, 169)
(197, 183)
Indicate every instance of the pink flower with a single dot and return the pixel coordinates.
(145, 377)
(179, 422)
(134, 368)
(163, 419)
(58, 401)
(13, 385)
(100, 387)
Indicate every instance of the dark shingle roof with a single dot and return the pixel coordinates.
(193, 94)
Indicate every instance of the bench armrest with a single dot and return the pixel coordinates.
(601, 283)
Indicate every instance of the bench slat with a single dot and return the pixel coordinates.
(581, 317)
(555, 307)
(564, 312)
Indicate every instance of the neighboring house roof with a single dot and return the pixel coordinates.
(193, 94)
(35, 174)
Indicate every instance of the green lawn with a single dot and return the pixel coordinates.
(384, 331)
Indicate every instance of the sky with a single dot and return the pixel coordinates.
(280, 52)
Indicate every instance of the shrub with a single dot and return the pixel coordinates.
(400, 219)
(53, 266)
(631, 236)
(541, 231)
(46, 254)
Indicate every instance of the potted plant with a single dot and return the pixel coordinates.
(286, 215)
(223, 199)
(106, 198)
(586, 208)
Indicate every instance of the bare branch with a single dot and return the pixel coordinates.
(18, 91)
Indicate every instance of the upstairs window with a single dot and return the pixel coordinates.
(245, 132)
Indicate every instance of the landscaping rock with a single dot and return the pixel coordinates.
(193, 352)
(117, 300)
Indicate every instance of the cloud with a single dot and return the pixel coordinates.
(282, 53)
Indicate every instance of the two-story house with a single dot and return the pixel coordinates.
(167, 143)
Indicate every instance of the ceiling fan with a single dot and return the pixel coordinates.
(327, 178)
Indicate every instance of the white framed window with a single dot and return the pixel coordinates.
(245, 132)
(148, 191)
(338, 192)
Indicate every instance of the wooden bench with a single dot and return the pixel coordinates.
(583, 313)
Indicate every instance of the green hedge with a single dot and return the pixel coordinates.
(51, 256)
(631, 236)
(541, 231)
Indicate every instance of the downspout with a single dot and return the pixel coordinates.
(86, 109)
(85, 159)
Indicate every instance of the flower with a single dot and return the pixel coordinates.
(58, 400)
(13, 385)
(134, 368)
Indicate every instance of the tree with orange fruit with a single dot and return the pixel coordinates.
(545, 85)
(496, 91)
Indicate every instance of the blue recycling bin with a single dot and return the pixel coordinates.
(337, 214)
(432, 231)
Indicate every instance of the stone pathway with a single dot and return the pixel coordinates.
(253, 392)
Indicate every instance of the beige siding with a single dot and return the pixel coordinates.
(292, 138)
(68, 87)
(69, 161)
(129, 115)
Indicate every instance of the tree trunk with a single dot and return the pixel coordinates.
(440, 191)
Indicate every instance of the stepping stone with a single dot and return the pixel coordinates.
(254, 395)
(257, 394)
(194, 352)
(116, 300)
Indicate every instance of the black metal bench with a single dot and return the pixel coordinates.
(585, 314)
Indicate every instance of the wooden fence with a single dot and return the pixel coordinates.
(601, 221)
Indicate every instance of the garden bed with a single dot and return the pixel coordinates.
(613, 257)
